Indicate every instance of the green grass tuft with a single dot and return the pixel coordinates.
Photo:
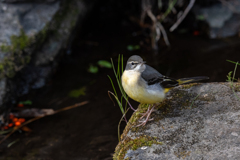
(231, 78)
(119, 98)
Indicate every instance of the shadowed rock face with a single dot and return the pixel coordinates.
(199, 121)
(32, 35)
(222, 20)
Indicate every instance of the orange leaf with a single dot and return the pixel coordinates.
(17, 123)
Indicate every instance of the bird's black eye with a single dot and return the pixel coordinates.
(132, 63)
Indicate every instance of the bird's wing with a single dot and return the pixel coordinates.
(152, 76)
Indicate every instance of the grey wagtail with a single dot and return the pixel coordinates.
(146, 85)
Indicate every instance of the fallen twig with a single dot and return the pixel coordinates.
(183, 15)
(36, 118)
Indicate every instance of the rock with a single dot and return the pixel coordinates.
(3, 89)
(223, 19)
(23, 21)
(32, 35)
(196, 121)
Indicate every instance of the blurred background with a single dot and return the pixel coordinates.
(56, 53)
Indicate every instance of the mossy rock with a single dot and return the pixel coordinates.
(197, 121)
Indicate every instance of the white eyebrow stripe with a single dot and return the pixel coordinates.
(133, 62)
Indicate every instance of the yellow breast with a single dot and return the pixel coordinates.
(130, 84)
(139, 91)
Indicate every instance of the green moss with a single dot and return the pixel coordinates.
(133, 144)
(1, 68)
(127, 143)
(5, 48)
(142, 108)
(15, 60)
(18, 43)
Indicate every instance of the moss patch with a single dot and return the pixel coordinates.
(127, 143)
(18, 43)
(12, 64)
(133, 144)
(15, 61)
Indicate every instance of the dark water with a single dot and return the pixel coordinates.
(90, 131)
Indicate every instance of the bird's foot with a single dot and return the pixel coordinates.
(141, 121)
(147, 115)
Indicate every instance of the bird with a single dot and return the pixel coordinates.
(146, 85)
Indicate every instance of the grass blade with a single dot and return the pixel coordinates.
(120, 105)
(235, 69)
(10, 144)
(5, 132)
(112, 85)
(119, 84)
(233, 62)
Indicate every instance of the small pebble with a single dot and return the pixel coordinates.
(144, 147)
(234, 134)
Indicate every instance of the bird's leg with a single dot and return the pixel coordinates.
(144, 114)
(148, 113)
(131, 106)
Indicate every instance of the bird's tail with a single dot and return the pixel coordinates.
(191, 79)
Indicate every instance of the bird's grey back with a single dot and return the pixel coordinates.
(150, 74)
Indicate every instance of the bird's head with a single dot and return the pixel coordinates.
(135, 63)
